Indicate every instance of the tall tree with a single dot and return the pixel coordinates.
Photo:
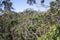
(7, 5)
(42, 1)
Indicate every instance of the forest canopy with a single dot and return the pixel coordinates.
(30, 24)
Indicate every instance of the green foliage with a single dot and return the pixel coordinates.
(53, 34)
(30, 25)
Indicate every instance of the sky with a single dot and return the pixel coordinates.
(21, 5)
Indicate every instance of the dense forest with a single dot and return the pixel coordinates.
(30, 24)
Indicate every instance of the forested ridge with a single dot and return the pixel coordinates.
(30, 25)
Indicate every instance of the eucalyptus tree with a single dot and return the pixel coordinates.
(55, 3)
(6, 4)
